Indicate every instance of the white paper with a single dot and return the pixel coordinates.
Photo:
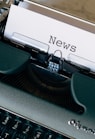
(56, 37)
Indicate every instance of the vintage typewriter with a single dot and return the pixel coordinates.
(47, 73)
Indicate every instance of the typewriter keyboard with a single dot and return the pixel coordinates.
(15, 127)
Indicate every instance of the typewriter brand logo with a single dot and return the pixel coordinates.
(79, 126)
(59, 43)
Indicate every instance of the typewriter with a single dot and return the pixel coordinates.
(47, 73)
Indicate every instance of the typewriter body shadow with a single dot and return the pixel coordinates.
(47, 74)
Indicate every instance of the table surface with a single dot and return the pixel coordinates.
(84, 9)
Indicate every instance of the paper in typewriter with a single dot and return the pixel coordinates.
(44, 30)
